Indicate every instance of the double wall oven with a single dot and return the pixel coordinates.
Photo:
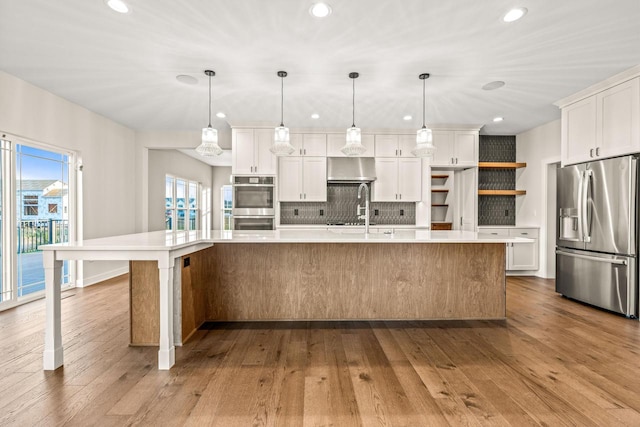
(253, 203)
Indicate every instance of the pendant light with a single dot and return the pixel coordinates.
(354, 145)
(281, 145)
(424, 138)
(209, 146)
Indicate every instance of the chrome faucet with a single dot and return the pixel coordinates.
(366, 206)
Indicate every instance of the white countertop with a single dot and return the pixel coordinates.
(172, 240)
(155, 240)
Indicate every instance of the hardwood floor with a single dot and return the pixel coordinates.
(552, 362)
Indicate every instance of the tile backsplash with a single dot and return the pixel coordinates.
(341, 206)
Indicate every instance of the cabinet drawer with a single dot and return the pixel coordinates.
(495, 231)
(530, 233)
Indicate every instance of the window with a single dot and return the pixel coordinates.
(182, 203)
(226, 203)
(53, 208)
(30, 203)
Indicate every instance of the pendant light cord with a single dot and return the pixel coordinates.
(281, 101)
(353, 104)
(424, 102)
(210, 101)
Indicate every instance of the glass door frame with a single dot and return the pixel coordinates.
(9, 235)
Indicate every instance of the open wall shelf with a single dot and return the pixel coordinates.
(502, 192)
(502, 165)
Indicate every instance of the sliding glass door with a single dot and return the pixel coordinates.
(37, 199)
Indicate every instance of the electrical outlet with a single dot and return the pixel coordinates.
(401, 212)
(295, 212)
(376, 212)
(187, 262)
(321, 212)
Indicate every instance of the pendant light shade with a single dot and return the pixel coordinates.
(281, 145)
(424, 138)
(354, 146)
(209, 146)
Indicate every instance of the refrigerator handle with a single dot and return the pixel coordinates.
(586, 215)
(580, 214)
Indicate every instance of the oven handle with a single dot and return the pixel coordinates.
(253, 216)
(253, 185)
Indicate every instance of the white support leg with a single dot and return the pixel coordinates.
(167, 351)
(52, 355)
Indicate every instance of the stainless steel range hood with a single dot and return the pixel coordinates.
(351, 169)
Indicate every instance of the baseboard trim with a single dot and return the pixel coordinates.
(97, 278)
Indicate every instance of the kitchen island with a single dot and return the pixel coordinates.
(289, 275)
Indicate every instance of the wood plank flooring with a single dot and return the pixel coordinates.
(553, 362)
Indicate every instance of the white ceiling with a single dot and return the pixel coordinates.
(124, 66)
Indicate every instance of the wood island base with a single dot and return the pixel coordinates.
(323, 281)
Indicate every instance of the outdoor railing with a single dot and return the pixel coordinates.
(33, 233)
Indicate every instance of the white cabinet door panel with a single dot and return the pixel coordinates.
(386, 145)
(406, 143)
(296, 141)
(314, 179)
(579, 131)
(466, 148)
(619, 130)
(410, 180)
(242, 155)
(265, 161)
(290, 179)
(443, 141)
(385, 187)
(314, 144)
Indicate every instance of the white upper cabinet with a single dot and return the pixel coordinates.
(455, 148)
(302, 179)
(309, 144)
(336, 141)
(579, 131)
(605, 124)
(250, 152)
(394, 145)
(443, 141)
(397, 179)
(619, 114)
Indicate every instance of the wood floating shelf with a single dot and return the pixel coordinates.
(439, 191)
(439, 176)
(502, 192)
(502, 165)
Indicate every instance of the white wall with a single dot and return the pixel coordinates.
(538, 147)
(172, 162)
(221, 176)
(106, 149)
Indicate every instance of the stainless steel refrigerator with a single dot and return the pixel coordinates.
(596, 239)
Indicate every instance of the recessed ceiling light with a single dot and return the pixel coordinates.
(315, 116)
(514, 14)
(498, 119)
(320, 10)
(493, 85)
(407, 118)
(186, 79)
(118, 5)
(221, 115)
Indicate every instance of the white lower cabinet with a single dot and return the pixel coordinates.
(398, 179)
(520, 256)
(302, 179)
